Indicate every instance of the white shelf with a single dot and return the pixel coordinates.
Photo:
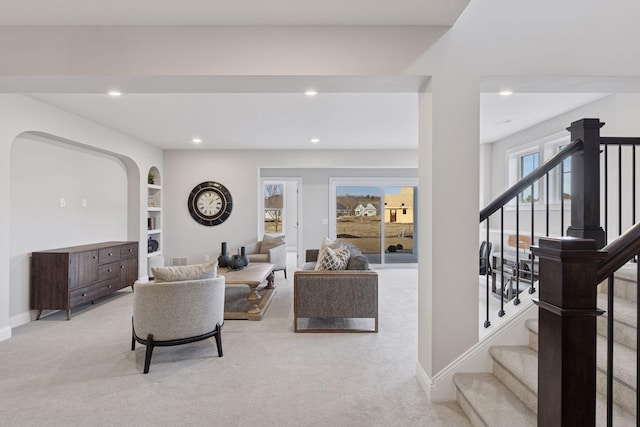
(158, 231)
(156, 253)
(154, 209)
(154, 187)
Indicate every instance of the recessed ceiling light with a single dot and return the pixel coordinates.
(315, 140)
(196, 140)
(506, 92)
(115, 93)
(310, 92)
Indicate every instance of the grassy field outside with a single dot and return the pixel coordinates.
(364, 233)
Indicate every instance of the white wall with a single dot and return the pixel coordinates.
(22, 114)
(44, 171)
(239, 170)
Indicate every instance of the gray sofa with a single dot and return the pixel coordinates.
(334, 294)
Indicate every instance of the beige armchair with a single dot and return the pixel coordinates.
(270, 249)
(173, 313)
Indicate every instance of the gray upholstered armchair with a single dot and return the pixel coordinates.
(270, 249)
(173, 313)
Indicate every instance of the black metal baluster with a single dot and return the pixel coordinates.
(633, 187)
(562, 198)
(487, 323)
(501, 312)
(516, 301)
(606, 193)
(637, 340)
(610, 351)
(532, 289)
(619, 189)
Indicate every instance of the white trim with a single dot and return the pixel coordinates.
(20, 319)
(5, 333)
(477, 359)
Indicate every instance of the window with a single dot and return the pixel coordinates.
(564, 178)
(273, 207)
(528, 163)
(378, 218)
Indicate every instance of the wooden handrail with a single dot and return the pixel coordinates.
(620, 251)
(526, 181)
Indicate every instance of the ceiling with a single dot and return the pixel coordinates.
(371, 119)
(266, 112)
(237, 12)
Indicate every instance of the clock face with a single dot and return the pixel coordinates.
(210, 203)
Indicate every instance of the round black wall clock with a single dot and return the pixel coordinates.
(210, 203)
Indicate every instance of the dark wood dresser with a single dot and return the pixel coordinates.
(68, 277)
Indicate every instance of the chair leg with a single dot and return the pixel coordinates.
(219, 339)
(285, 273)
(149, 352)
(133, 340)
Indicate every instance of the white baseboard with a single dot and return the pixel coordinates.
(5, 333)
(477, 359)
(20, 319)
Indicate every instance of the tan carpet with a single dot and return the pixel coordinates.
(81, 372)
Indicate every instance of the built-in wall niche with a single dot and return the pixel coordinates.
(154, 212)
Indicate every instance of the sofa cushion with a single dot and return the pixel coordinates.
(270, 242)
(328, 243)
(185, 272)
(309, 266)
(258, 257)
(358, 262)
(333, 260)
(353, 249)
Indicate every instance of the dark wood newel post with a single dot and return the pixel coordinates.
(585, 182)
(567, 331)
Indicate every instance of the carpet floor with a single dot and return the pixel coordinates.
(82, 372)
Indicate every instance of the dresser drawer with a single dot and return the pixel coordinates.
(109, 271)
(92, 292)
(129, 251)
(108, 255)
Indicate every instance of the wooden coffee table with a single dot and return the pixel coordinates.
(252, 275)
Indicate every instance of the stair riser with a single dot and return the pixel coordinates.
(533, 340)
(623, 395)
(622, 333)
(527, 396)
(622, 289)
(468, 410)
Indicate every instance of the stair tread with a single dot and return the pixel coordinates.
(624, 367)
(521, 361)
(621, 418)
(493, 402)
(624, 311)
(625, 358)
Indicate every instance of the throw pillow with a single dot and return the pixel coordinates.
(270, 242)
(353, 249)
(333, 260)
(185, 272)
(358, 262)
(328, 243)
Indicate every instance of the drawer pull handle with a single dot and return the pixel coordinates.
(110, 254)
(122, 266)
(108, 286)
(84, 295)
(130, 250)
(109, 270)
(95, 257)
